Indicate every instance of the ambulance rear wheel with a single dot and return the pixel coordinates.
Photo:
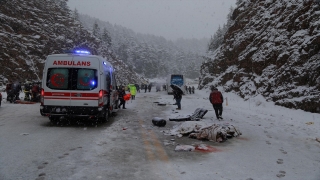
(106, 116)
(42, 114)
(53, 119)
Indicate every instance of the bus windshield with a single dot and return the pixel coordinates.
(177, 80)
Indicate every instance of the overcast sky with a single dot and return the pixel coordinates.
(171, 19)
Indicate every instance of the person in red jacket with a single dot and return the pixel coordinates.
(216, 99)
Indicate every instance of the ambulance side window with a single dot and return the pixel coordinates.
(114, 82)
(58, 78)
(108, 81)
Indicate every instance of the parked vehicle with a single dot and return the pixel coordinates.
(176, 79)
(78, 85)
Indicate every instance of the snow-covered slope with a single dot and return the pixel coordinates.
(272, 49)
(30, 30)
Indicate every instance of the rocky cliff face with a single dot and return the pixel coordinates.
(272, 49)
(30, 30)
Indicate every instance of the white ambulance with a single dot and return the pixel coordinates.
(78, 85)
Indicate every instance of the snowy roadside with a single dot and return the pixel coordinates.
(276, 142)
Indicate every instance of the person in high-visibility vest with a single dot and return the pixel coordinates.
(133, 91)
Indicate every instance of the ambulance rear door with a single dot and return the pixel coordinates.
(85, 81)
(56, 81)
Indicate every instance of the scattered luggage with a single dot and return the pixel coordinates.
(196, 116)
(157, 121)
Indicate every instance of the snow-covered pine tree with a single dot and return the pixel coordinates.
(96, 30)
(106, 38)
(76, 14)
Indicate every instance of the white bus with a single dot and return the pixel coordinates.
(177, 79)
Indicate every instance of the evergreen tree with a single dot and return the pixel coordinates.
(96, 30)
(106, 39)
(216, 40)
(218, 36)
(76, 15)
(238, 2)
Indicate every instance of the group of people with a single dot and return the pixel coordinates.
(189, 89)
(215, 98)
(123, 96)
(146, 87)
(30, 89)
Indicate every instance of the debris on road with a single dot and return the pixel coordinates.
(184, 148)
(216, 133)
(196, 116)
(157, 121)
(205, 131)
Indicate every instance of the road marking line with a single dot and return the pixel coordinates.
(155, 151)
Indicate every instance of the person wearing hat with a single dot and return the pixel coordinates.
(216, 99)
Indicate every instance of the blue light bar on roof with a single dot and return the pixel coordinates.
(82, 52)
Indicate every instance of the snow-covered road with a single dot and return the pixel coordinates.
(277, 143)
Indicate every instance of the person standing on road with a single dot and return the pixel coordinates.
(137, 87)
(133, 91)
(149, 87)
(26, 90)
(177, 95)
(121, 94)
(164, 87)
(216, 99)
(145, 88)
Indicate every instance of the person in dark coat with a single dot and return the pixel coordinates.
(121, 93)
(192, 89)
(16, 87)
(164, 87)
(9, 87)
(145, 88)
(27, 89)
(177, 95)
(216, 99)
(35, 91)
(149, 87)
(137, 87)
(189, 88)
